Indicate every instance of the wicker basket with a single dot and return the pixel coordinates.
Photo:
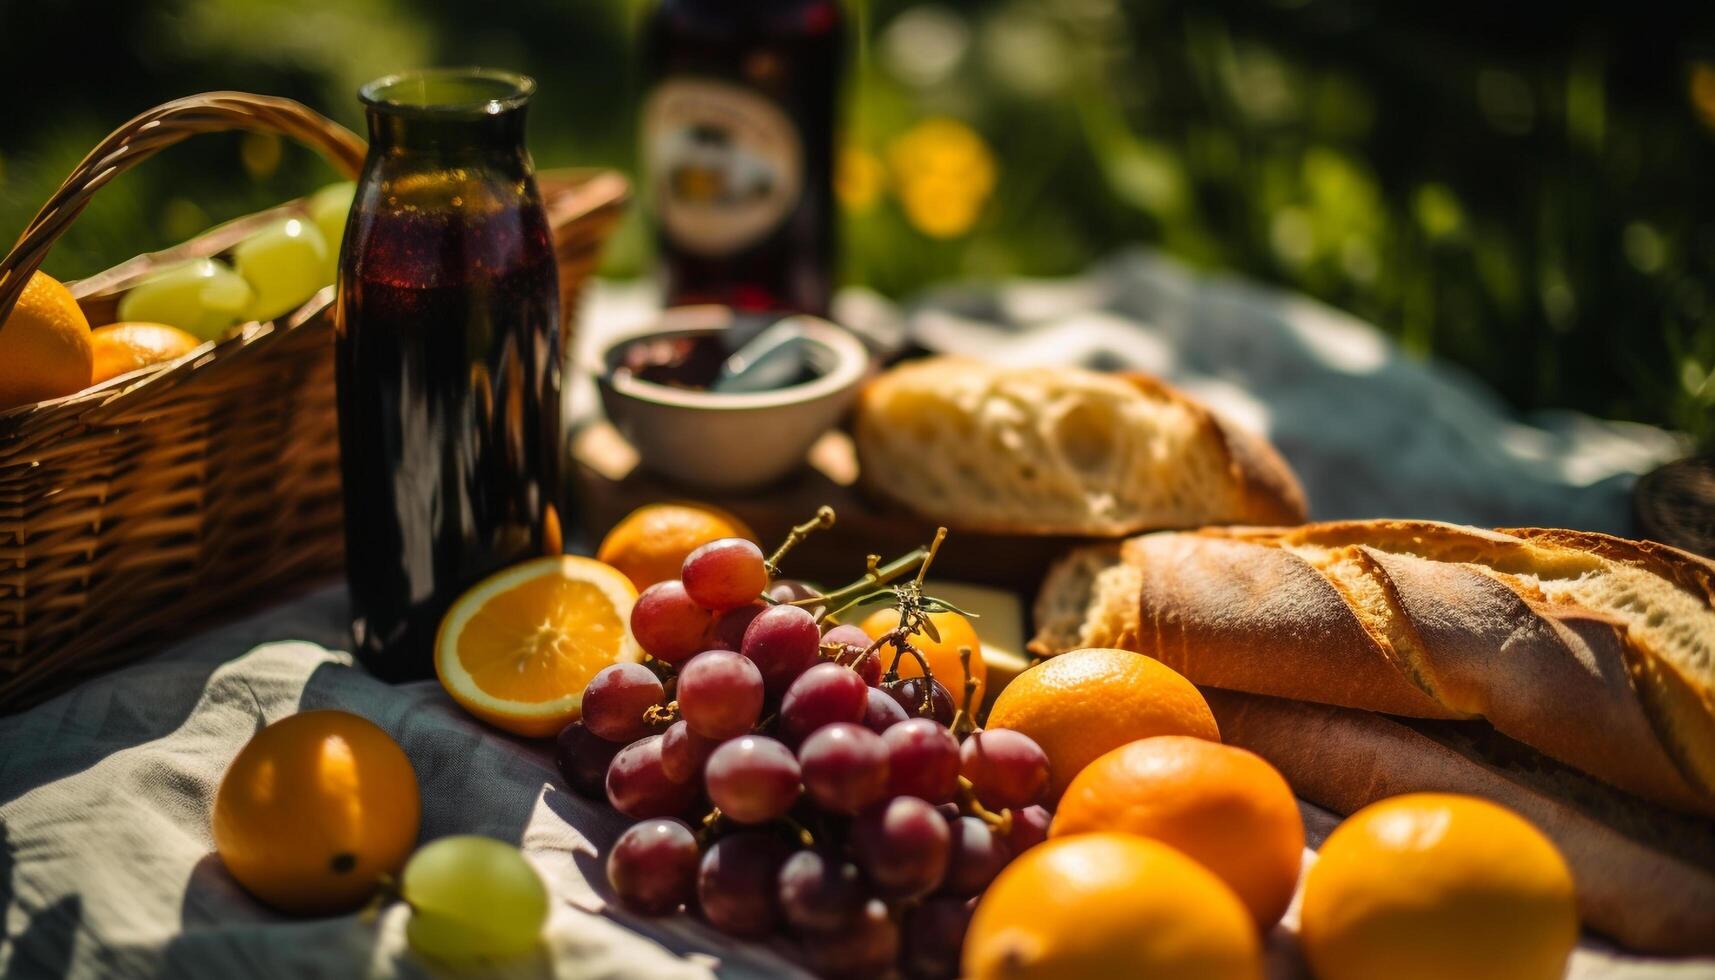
(133, 512)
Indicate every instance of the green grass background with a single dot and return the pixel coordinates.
(1525, 189)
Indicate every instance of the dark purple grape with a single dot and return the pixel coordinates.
(616, 698)
(724, 574)
(977, 855)
(720, 693)
(784, 641)
(865, 947)
(844, 766)
(850, 643)
(792, 590)
(902, 846)
(726, 631)
(667, 623)
(922, 760)
(820, 892)
(583, 759)
(1029, 828)
(847, 638)
(752, 779)
(1007, 769)
(824, 694)
(908, 691)
(738, 883)
(653, 866)
(881, 712)
(934, 937)
(683, 752)
(868, 667)
(638, 786)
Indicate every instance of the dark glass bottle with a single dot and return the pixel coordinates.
(738, 149)
(447, 358)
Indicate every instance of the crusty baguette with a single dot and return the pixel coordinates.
(1061, 451)
(1644, 877)
(1595, 651)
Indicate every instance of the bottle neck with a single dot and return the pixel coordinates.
(498, 135)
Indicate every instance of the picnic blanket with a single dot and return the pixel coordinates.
(106, 861)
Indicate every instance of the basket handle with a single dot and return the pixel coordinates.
(153, 131)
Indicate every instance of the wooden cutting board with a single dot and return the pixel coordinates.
(613, 484)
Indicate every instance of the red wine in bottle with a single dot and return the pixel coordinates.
(738, 150)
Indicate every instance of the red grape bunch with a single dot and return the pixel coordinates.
(784, 784)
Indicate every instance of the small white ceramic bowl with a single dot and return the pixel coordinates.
(726, 441)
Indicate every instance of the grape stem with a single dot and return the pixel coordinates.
(968, 802)
(706, 826)
(660, 715)
(965, 721)
(839, 600)
(824, 519)
(805, 838)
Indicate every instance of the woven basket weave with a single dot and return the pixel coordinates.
(137, 510)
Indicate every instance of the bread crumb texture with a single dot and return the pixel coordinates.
(1042, 450)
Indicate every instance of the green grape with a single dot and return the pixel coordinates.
(328, 208)
(285, 263)
(201, 296)
(473, 897)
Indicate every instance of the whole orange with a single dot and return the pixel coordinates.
(1430, 885)
(955, 631)
(650, 543)
(1226, 808)
(121, 348)
(314, 810)
(1105, 906)
(1082, 704)
(45, 348)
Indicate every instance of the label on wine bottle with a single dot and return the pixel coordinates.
(725, 165)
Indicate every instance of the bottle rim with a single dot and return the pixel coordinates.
(449, 92)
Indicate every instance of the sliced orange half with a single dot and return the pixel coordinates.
(517, 649)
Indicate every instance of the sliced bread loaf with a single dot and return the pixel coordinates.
(1062, 451)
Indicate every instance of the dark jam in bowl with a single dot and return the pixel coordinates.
(691, 362)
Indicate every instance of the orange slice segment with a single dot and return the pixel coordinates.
(517, 649)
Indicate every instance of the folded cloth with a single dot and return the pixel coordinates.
(107, 867)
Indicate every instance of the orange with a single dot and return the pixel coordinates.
(1105, 906)
(519, 647)
(1438, 885)
(1226, 808)
(943, 654)
(121, 348)
(1082, 704)
(45, 350)
(651, 542)
(314, 810)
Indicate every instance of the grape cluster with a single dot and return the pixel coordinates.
(784, 784)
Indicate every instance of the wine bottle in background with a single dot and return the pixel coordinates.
(738, 150)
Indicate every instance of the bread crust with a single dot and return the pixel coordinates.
(1262, 489)
(1200, 602)
(1646, 896)
(1420, 619)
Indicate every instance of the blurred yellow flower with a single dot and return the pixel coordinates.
(1703, 91)
(944, 174)
(859, 179)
